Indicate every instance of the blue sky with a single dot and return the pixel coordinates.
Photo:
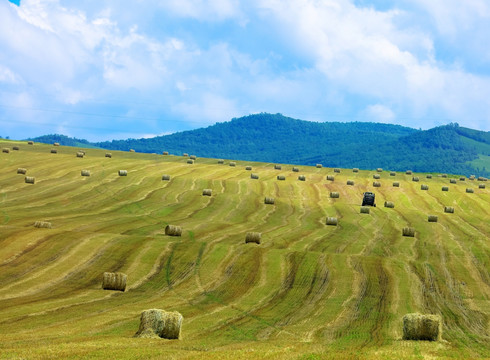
(101, 70)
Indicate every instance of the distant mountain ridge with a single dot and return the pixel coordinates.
(276, 138)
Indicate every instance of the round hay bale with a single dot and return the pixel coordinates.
(422, 327)
(376, 176)
(337, 170)
(190, 161)
(114, 281)
(16, 148)
(156, 323)
(365, 209)
(207, 192)
(389, 204)
(334, 195)
(356, 170)
(470, 191)
(80, 154)
(165, 153)
(123, 172)
(481, 178)
(132, 150)
(221, 161)
(295, 169)
(21, 171)
(408, 231)
(432, 218)
(445, 188)
(253, 237)
(277, 167)
(30, 180)
(379, 170)
(108, 155)
(330, 177)
(165, 177)
(269, 200)
(30, 143)
(254, 176)
(392, 173)
(43, 225)
(232, 163)
(248, 168)
(173, 230)
(396, 184)
(424, 187)
(462, 178)
(452, 181)
(350, 182)
(408, 172)
(376, 184)
(56, 144)
(481, 186)
(193, 157)
(332, 221)
(449, 209)
(281, 177)
(85, 173)
(444, 175)
(185, 154)
(319, 166)
(415, 178)
(54, 151)
(429, 176)
(301, 178)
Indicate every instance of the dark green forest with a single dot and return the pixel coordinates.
(276, 138)
(63, 140)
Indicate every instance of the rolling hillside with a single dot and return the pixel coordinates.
(308, 291)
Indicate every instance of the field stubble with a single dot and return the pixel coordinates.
(308, 291)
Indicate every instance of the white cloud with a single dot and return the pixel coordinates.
(205, 10)
(453, 17)
(200, 61)
(366, 53)
(8, 76)
(209, 108)
(152, 135)
(379, 113)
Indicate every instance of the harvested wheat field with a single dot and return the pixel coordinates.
(307, 291)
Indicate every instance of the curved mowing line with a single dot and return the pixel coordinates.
(33, 277)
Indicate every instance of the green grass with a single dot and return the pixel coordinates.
(483, 161)
(308, 291)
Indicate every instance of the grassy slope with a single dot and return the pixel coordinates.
(483, 160)
(308, 291)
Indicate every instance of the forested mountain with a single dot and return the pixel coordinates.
(276, 138)
(63, 140)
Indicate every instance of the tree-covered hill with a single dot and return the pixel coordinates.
(63, 140)
(276, 138)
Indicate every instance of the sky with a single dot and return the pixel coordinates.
(103, 70)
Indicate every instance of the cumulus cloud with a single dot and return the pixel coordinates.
(365, 52)
(205, 10)
(209, 107)
(175, 65)
(8, 76)
(379, 113)
(453, 17)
